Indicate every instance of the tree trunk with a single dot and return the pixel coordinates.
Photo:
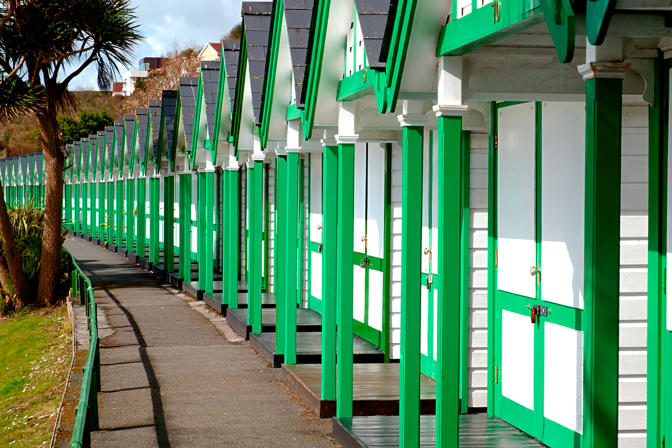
(52, 237)
(19, 280)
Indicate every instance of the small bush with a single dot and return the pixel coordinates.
(27, 223)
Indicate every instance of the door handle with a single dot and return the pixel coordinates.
(429, 281)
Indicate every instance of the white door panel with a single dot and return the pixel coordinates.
(562, 213)
(518, 358)
(376, 300)
(424, 320)
(316, 275)
(375, 229)
(516, 200)
(316, 198)
(425, 204)
(358, 293)
(360, 198)
(434, 255)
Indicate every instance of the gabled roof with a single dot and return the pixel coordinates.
(84, 143)
(142, 119)
(39, 159)
(231, 58)
(169, 114)
(31, 165)
(154, 131)
(373, 15)
(210, 76)
(256, 24)
(109, 141)
(129, 126)
(298, 15)
(188, 89)
(77, 160)
(23, 166)
(119, 142)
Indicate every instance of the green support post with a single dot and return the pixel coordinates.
(231, 243)
(226, 229)
(141, 207)
(119, 211)
(255, 209)
(68, 207)
(85, 208)
(110, 211)
(602, 243)
(329, 266)
(291, 261)
(154, 199)
(281, 226)
(449, 264)
(206, 208)
(168, 222)
(101, 210)
(77, 214)
(344, 279)
(185, 227)
(93, 210)
(130, 232)
(411, 268)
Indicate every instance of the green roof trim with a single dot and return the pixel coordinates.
(314, 67)
(271, 68)
(240, 88)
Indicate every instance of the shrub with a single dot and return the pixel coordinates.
(27, 223)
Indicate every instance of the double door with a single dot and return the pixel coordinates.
(540, 159)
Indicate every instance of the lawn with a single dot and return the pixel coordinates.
(35, 356)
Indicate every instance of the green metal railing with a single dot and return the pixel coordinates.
(86, 415)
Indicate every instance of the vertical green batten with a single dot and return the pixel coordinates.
(185, 227)
(141, 209)
(253, 280)
(101, 210)
(344, 279)
(207, 236)
(411, 268)
(154, 199)
(130, 232)
(231, 265)
(257, 204)
(465, 241)
(329, 266)
(602, 243)
(492, 260)
(281, 241)
(169, 223)
(291, 251)
(450, 245)
(92, 211)
(119, 221)
(201, 206)
(110, 212)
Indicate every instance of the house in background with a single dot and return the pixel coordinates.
(210, 52)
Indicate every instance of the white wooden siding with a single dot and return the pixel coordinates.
(271, 226)
(304, 229)
(395, 253)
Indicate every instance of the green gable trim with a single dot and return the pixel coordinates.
(478, 28)
(319, 27)
(191, 155)
(293, 112)
(221, 94)
(271, 68)
(598, 17)
(357, 85)
(398, 49)
(240, 88)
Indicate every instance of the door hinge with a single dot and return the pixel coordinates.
(496, 253)
(665, 281)
(496, 374)
(495, 140)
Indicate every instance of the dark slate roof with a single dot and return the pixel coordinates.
(299, 14)
(188, 89)
(129, 121)
(39, 157)
(257, 24)
(31, 164)
(101, 149)
(231, 57)
(373, 20)
(2, 167)
(109, 139)
(93, 153)
(155, 128)
(77, 154)
(84, 143)
(169, 111)
(143, 118)
(23, 160)
(119, 139)
(210, 74)
(17, 168)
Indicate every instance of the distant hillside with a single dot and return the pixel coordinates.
(22, 136)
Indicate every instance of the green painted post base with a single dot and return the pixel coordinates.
(168, 223)
(602, 244)
(411, 268)
(141, 208)
(449, 264)
(154, 199)
(344, 279)
(329, 267)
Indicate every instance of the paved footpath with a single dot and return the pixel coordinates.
(172, 377)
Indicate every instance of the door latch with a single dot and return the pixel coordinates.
(429, 281)
(319, 249)
(537, 311)
(365, 261)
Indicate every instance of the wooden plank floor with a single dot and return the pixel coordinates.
(309, 349)
(376, 389)
(306, 320)
(476, 430)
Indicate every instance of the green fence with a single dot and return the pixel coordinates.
(86, 416)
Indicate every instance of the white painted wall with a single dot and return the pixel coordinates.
(304, 229)
(395, 253)
(271, 226)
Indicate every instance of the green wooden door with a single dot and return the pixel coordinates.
(315, 233)
(540, 261)
(370, 239)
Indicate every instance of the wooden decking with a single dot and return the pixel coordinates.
(306, 319)
(309, 349)
(476, 430)
(376, 389)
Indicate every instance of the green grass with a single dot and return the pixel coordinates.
(35, 356)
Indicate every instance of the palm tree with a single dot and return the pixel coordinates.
(44, 45)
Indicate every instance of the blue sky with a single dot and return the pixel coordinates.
(174, 23)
